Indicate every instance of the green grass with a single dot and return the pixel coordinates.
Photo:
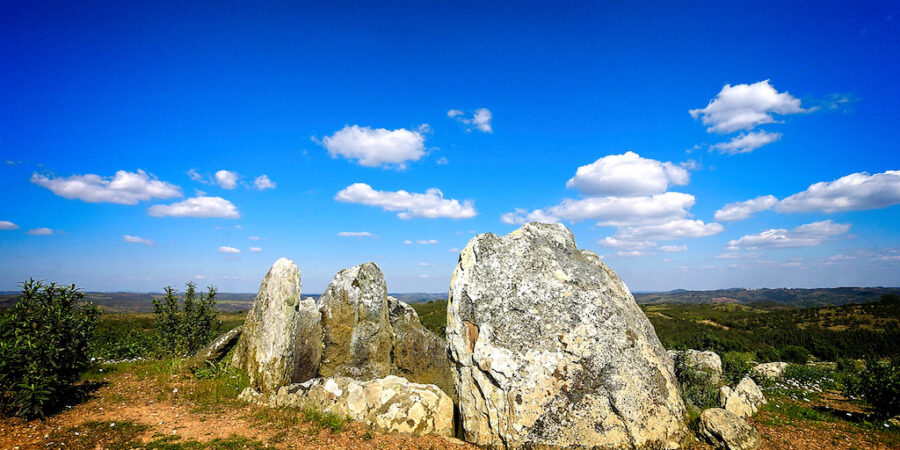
(333, 422)
(433, 315)
(231, 442)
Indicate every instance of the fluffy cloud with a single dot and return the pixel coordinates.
(136, 240)
(374, 147)
(195, 176)
(673, 248)
(481, 120)
(254, 249)
(854, 192)
(668, 231)
(125, 188)
(427, 242)
(610, 211)
(228, 250)
(40, 231)
(226, 179)
(356, 234)
(7, 225)
(197, 207)
(431, 204)
(807, 235)
(746, 142)
(744, 210)
(745, 106)
(263, 182)
(627, 174)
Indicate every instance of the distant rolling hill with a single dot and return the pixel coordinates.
(784, 296)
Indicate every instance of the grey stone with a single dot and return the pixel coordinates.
(705, 361)
(216, 349)
(726, 430)
(770, 370)
(550, 349)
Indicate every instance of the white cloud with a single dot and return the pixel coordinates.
(40, 231)
(854, 192)
(356, 234)
(427, 242)
(442, 161)
(431, 204)
(744, 210)
(136, 240)
(226, 179)
(197, 207)
(407, 242)
(481, 119)
(841, 258)
(793, 264)
(673, 248)
(807, 235)
(254, 249)
(195, 176)
(374, 147)
(746, 142)
(729, 255)
(745, 106)
(229, 250)
(671, 230)
(263, 182)
(7, 225)
(632, 253)
(454, 250)
(627, 174)
(610, 211)
(613, 242)
(125, 188)
(254, 238)
(200, 277)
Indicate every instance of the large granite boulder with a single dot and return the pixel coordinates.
(418, 354)
(355, 324)
(744, 400)
(550, 349)
(698, 361)
(726, 430)
(216, 349)
(388, 405)
(265, 350)
(770, 370)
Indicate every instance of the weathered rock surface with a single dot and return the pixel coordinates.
(418, 354)
(707, 362)
(265, 350)
(216, 349)
(353, 330)
(551, 350)
(355, 324)
(770, 370)
(389, 405)
(744, 400)
(726, 430)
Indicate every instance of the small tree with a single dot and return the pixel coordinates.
(44, 347)
(185, 330)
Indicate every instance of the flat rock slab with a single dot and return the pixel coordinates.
(726, 430)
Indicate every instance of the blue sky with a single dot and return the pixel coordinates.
(681, 141)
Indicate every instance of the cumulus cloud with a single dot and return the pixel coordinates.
(374, 147)
(195, 176)
(807, 235)
(136, 240)
(431, 204)
(746, 142)
(254, 249)
(40, 231)
(746, 106)
(670, 230)
(744, 210)
(7, 225)
(125, 188)
(263, 182)
(480, 120)
(226, 179)
(673, 248)
(197, 207)
(854, 192)
(356, 234)
(610, 211)
(228, 250)
(627, 174)
(427, 242)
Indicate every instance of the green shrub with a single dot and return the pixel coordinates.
(44, 347)
(186, 329)
(697, 388)
(794, 354)
(735, 365)
(878, 384)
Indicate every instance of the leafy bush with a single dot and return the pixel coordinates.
(44, 347)
(878, 384)
(794, 354)
(186, 329)
(697, 389)
(735, 365)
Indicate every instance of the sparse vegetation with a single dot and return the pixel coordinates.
(184, 330)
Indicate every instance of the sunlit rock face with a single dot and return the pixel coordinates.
(549, 348)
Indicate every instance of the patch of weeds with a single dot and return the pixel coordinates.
(790, 413)
(333, 422)
(231, 442)
(368, 436)
(280, 418)
(217, 388)
(112, 435)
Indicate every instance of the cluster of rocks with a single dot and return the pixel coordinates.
(546, 348)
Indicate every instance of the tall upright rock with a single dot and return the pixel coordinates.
(549, 348)
(419, 355)
(265, 350)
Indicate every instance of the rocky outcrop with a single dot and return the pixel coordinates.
(388, 405)
(550, 349)
(726, 430)
(770, 370)
(265, 350)
(694, 360)
(216, 349)
(354, 330)
(744, 400)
